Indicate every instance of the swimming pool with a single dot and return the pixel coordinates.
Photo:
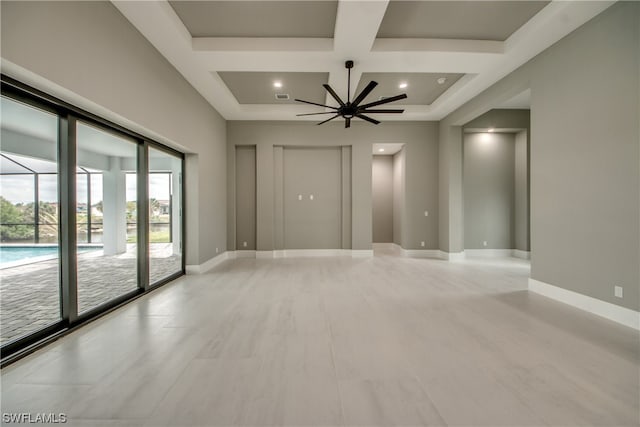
(14, 255)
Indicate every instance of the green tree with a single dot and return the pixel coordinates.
(132, 213)
(12, 218)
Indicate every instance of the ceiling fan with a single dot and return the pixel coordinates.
(351, 109)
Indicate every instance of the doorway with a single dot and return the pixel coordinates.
(387, 185)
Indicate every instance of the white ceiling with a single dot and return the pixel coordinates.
(355, 36)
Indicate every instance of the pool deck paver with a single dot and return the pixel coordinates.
(29, 294)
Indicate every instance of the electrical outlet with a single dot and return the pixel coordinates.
(484, 243)
(244, 244)
(617, 291)
(217, 250)
(311, 197)
(422, 244)
(299, 196)
(426, 213)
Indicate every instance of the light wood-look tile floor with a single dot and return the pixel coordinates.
(338, 341)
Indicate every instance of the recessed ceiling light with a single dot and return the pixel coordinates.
(490, 130)
(441, 80)
(277, 84)
(381, 150)
(403, 85)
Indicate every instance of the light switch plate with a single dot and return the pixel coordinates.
(617, 291)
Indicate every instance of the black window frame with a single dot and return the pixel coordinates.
(67, 115)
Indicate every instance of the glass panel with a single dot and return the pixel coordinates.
(165, 222)
(132, 212)
(107, 263)
(48, 208)
(29, 271)
(7, 166)
(96, 208)
(35, 164)
(82, 233)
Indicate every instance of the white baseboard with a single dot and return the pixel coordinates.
(307, 253)
(521, 254)
(488, 253)
(616, 313)
(384, 245)
(361, 253)
(208, 265)
(484, 253)
(245, 254)
(451, 256)
(420, 253)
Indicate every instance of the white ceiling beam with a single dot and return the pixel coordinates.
(437, 45)
(262, 44)
(357, 23)
(158, 22)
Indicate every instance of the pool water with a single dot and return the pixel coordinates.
(10, 254)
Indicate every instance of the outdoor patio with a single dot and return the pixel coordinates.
(30, 293)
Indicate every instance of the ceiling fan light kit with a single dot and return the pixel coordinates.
(351, 109)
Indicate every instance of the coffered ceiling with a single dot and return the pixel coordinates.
(234, 52)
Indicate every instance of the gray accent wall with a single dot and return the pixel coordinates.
(521, 196)
(500, 118)
(246, 197)
(399, 201)
(88, 54)
(421, 171)
(489, 190)
(312, 196)
(585, 168)
(382, 194)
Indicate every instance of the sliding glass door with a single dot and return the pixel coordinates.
(106, 250)
(91, 216)
(29, 252)
(165, 215)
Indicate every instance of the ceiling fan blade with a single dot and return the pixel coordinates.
(337, 115)
(313, 114)
(315, 103)
(369, 119)
(380, 111)
(384, 101)
(333, 93)
(347, 122)
(366, 91)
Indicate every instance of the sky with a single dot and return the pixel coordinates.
(19, 188)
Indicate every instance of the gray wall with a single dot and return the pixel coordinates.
(585, 190)
(399, 202)
(421, 169)
(521, 196)
(312, 195)
(88, 54)
(246, 200)
(500, 118)
(382, 187)
(489, 187)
